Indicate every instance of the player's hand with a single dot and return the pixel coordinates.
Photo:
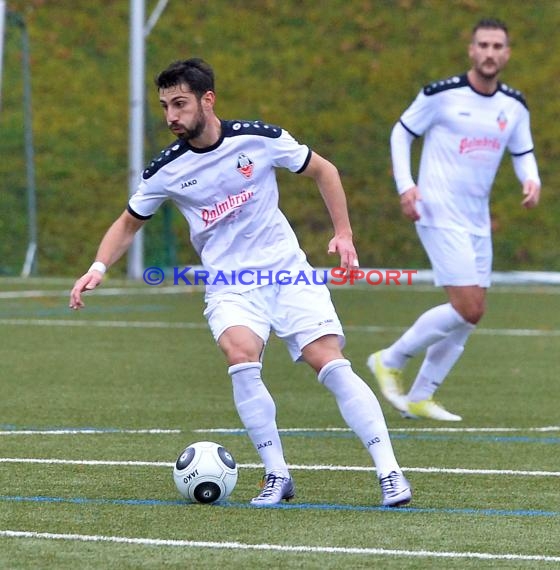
(86, 282)
(531, 193)
(344, 246)
(408, 203)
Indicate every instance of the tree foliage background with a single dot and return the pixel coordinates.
(335, 73)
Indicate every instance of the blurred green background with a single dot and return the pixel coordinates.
(335, 73)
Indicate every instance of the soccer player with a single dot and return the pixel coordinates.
(221, 176)
(467, 122)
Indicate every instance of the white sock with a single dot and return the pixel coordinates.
(440, 359)
(257, 411)
(361, 411)
(429, 328)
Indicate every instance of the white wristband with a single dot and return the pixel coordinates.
(98, 266)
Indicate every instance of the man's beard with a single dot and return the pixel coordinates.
(190, 134)
(196, 131)
(488, 74)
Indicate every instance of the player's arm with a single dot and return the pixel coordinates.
(525, 167)
(114, 244)
(328, 181)
(401, 143)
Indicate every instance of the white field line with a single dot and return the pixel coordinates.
(187, 325)
(90, 431)
(357, 468)
(109, 324)
(102, 291)
(402, 430)
(277, 547)
(157, 431)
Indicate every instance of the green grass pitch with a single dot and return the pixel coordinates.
(96, 405)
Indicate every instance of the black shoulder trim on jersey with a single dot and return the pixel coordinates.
(511, 92)
(136, 215)
(233, 128)
(445, 84)
(522, 153)
(305, 163)
(407, 129)
(168, 154)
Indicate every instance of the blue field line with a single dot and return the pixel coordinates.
(418, 436)
(480, 438)
(438, 437)
(285, 506)
(461, 437)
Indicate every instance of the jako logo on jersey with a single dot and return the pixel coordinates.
(502, 121)
(188, 183)
(245, 165)
(474, 143)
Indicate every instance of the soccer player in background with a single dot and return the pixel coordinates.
(467, 122)
(221, 176)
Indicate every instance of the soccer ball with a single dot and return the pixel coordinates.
(205, 472)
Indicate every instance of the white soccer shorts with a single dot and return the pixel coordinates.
(298, 314)
(458, 258)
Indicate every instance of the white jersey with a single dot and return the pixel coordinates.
(228, 194)
(466, 134)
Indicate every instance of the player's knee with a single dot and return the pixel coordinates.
(240, 355)
(473, 312)
(240, 359)
(322, 351)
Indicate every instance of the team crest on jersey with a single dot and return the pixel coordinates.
(502, 121)
(245, 165)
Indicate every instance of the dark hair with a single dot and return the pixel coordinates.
(195, 72)
(490, 24)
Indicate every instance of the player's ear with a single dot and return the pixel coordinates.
(209, 98)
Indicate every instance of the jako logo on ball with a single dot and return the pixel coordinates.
(205, 472)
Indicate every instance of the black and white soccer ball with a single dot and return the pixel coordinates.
(205, 472)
